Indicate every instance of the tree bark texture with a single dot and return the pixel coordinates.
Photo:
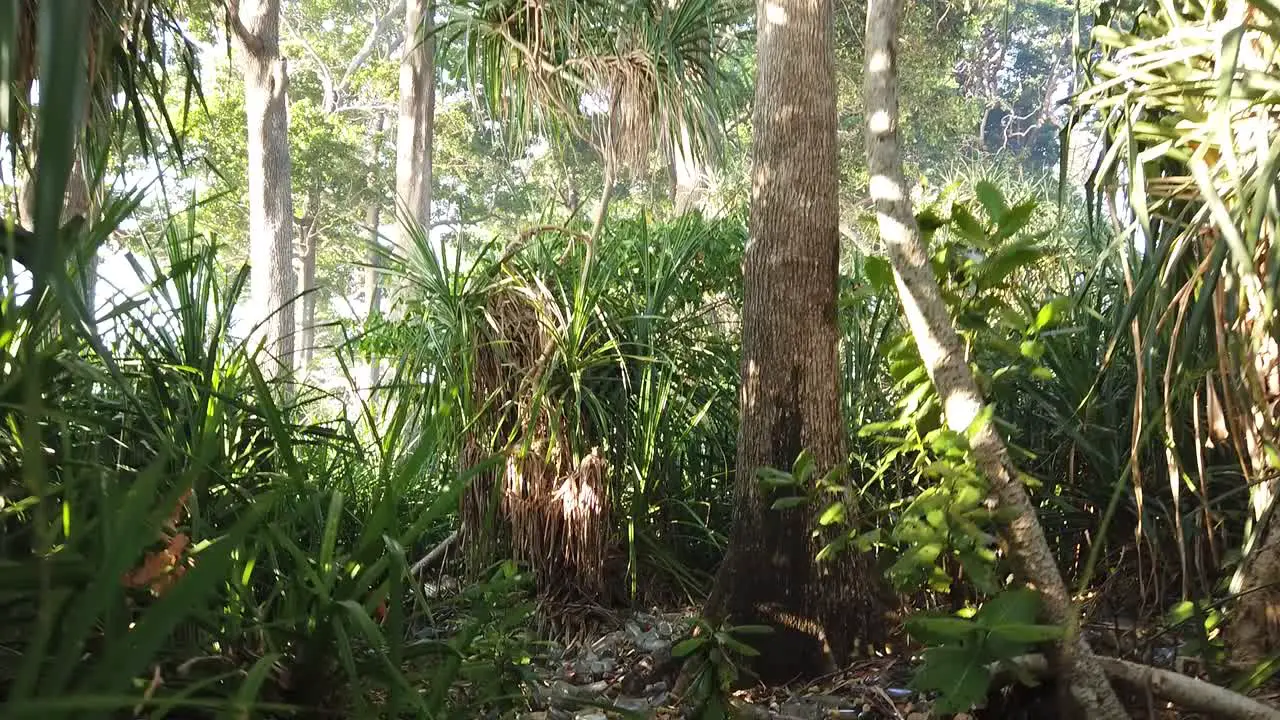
(266, 80)
(790, 394)
(417, 114)
(942, 351)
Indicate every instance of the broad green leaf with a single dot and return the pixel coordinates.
(969, 227)
(879, 273)
(939, 630)
(1031, 349)
(687, 646)
(773, 478)
(1180, 612)
(1006, 261)
(1026, 632)
(867, 540)
(833, 514)
(1051, 312)
(788, 503)
(735, 645)
(1013, 606)
(992, 200)
(803, 467)
(751, 630)
(958, 674)
(1043, 374)
(1015, 220)
(979, 570)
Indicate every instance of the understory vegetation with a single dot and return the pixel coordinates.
(493, 428)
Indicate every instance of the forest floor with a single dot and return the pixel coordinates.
(624, 670)
(628, 667)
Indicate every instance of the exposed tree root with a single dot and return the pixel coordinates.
(1181, 690)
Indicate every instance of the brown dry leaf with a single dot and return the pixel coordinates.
(160, 570)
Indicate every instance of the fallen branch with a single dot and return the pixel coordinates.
(436, 553)
(1181, 690)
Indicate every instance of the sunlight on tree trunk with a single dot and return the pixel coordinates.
(266, 80)
(943, 354)
(417, 114)
(790, 394)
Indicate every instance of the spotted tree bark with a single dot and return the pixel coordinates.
(943, 353)
(790, 395)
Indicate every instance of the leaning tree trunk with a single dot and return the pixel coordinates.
(943, 354)
(417, 114)
(790, 396)
(257, 30)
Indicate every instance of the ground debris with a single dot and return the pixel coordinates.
(627, 672)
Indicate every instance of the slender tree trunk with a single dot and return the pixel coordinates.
(941, 349)
(308, 240)
(373, 256)
(417, 113)
(790, 396)
(266, 79)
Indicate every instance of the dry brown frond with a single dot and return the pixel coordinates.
(552, 509)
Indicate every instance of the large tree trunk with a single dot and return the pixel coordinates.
(943, 354)
(266, 79)
(790, 396)
(417, 114)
